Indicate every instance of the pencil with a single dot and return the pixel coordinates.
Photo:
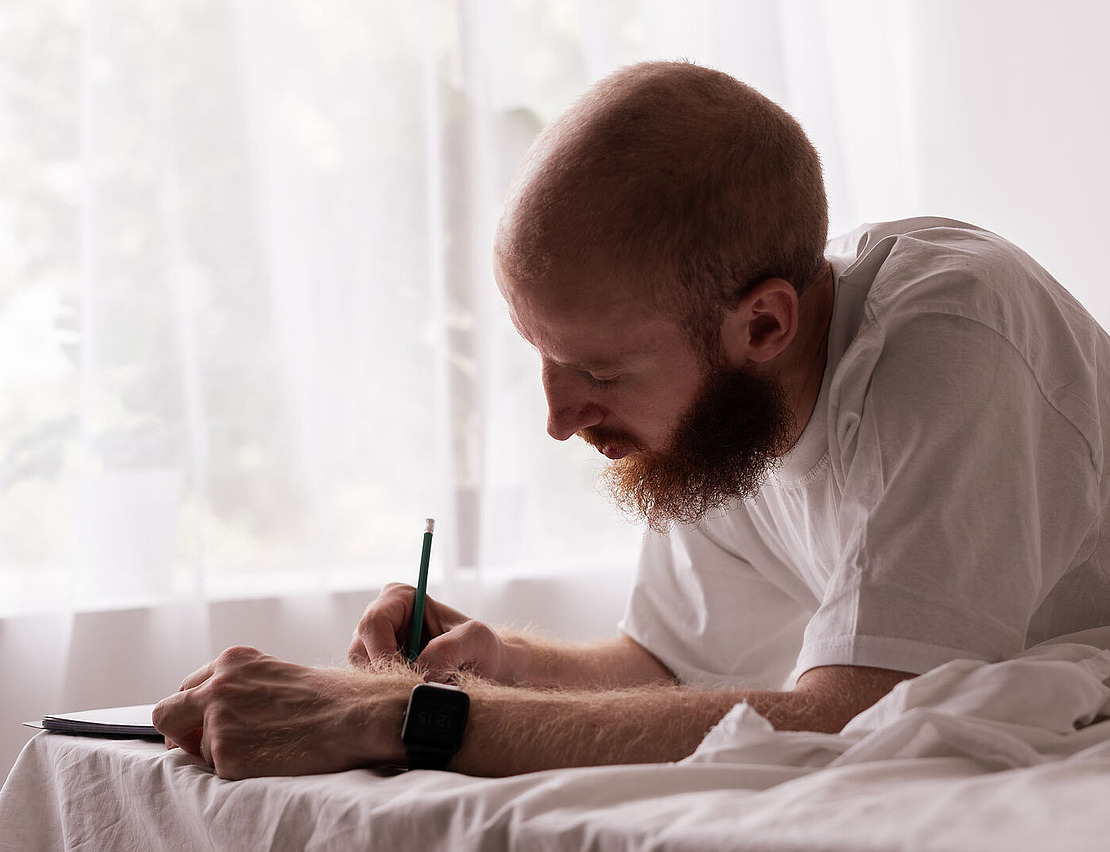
(421, 592)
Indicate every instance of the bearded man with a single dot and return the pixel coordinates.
(857, 460)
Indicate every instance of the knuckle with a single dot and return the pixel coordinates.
(239, 653)
(366, 623)
(465, 645)
(475, 632)
(235, 657)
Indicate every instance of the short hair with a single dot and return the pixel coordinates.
(689, 180)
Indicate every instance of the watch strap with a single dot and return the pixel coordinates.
(421, 759)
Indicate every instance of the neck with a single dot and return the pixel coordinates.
(806, 368)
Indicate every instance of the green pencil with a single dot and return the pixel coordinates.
(421, 592)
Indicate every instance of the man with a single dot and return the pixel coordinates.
(857, 461)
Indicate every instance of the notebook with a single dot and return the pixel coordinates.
(133, 721)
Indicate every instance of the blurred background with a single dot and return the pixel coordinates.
(249, 335)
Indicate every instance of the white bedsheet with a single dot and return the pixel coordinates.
(967, 757)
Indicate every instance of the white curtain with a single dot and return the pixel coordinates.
(249, 338)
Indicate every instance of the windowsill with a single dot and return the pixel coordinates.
(25, 599)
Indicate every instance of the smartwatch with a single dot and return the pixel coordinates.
(433, 725)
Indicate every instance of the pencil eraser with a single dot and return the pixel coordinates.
(430, 525)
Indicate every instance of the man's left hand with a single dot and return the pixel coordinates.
(248, 714)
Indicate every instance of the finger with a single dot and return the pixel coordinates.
(467, 646)
(205, 751)
(198, 677)
(378, 641)
(356, 652)
(438, 659)
(359, 657)
(180, 719)
(383, 626)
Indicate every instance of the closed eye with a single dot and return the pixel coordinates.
(602, 383)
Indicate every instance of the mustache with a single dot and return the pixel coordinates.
(600, 438)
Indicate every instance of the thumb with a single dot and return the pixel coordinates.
(440, 659)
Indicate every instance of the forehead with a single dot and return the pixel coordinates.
(588, 325)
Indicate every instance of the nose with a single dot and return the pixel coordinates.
(569, 406)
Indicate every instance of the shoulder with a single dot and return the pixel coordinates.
(923, 273)
(932, 265)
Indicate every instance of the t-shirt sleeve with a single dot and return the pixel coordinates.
(702, 609)
(965, 495)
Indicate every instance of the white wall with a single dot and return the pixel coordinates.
(995, 112)
(1013, 129)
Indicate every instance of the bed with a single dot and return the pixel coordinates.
(970, 756)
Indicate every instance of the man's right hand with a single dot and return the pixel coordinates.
(452, 640)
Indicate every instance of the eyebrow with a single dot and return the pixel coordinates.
(589, 366)
(599, 366)
(586, 365)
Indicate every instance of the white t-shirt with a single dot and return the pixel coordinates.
(945, 500)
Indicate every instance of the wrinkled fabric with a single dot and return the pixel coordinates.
(970, 756)
(1039, 707)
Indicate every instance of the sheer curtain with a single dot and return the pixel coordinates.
(249, 337)
(261, 337)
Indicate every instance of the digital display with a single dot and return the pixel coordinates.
(436, 717)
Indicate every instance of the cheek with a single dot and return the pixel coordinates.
(659, 416)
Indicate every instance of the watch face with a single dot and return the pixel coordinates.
(436, 717)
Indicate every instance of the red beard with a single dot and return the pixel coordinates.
(722, 450)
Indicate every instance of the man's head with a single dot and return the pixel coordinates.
(663, 230)
(694, 184)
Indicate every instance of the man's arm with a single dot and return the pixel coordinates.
(524, 730)
(602, 664)
(247, 714)
(506, 657)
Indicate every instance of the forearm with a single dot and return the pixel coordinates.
(515, 730)
(525, 730)
(605, 664)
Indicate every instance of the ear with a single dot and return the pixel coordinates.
(763, 324)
